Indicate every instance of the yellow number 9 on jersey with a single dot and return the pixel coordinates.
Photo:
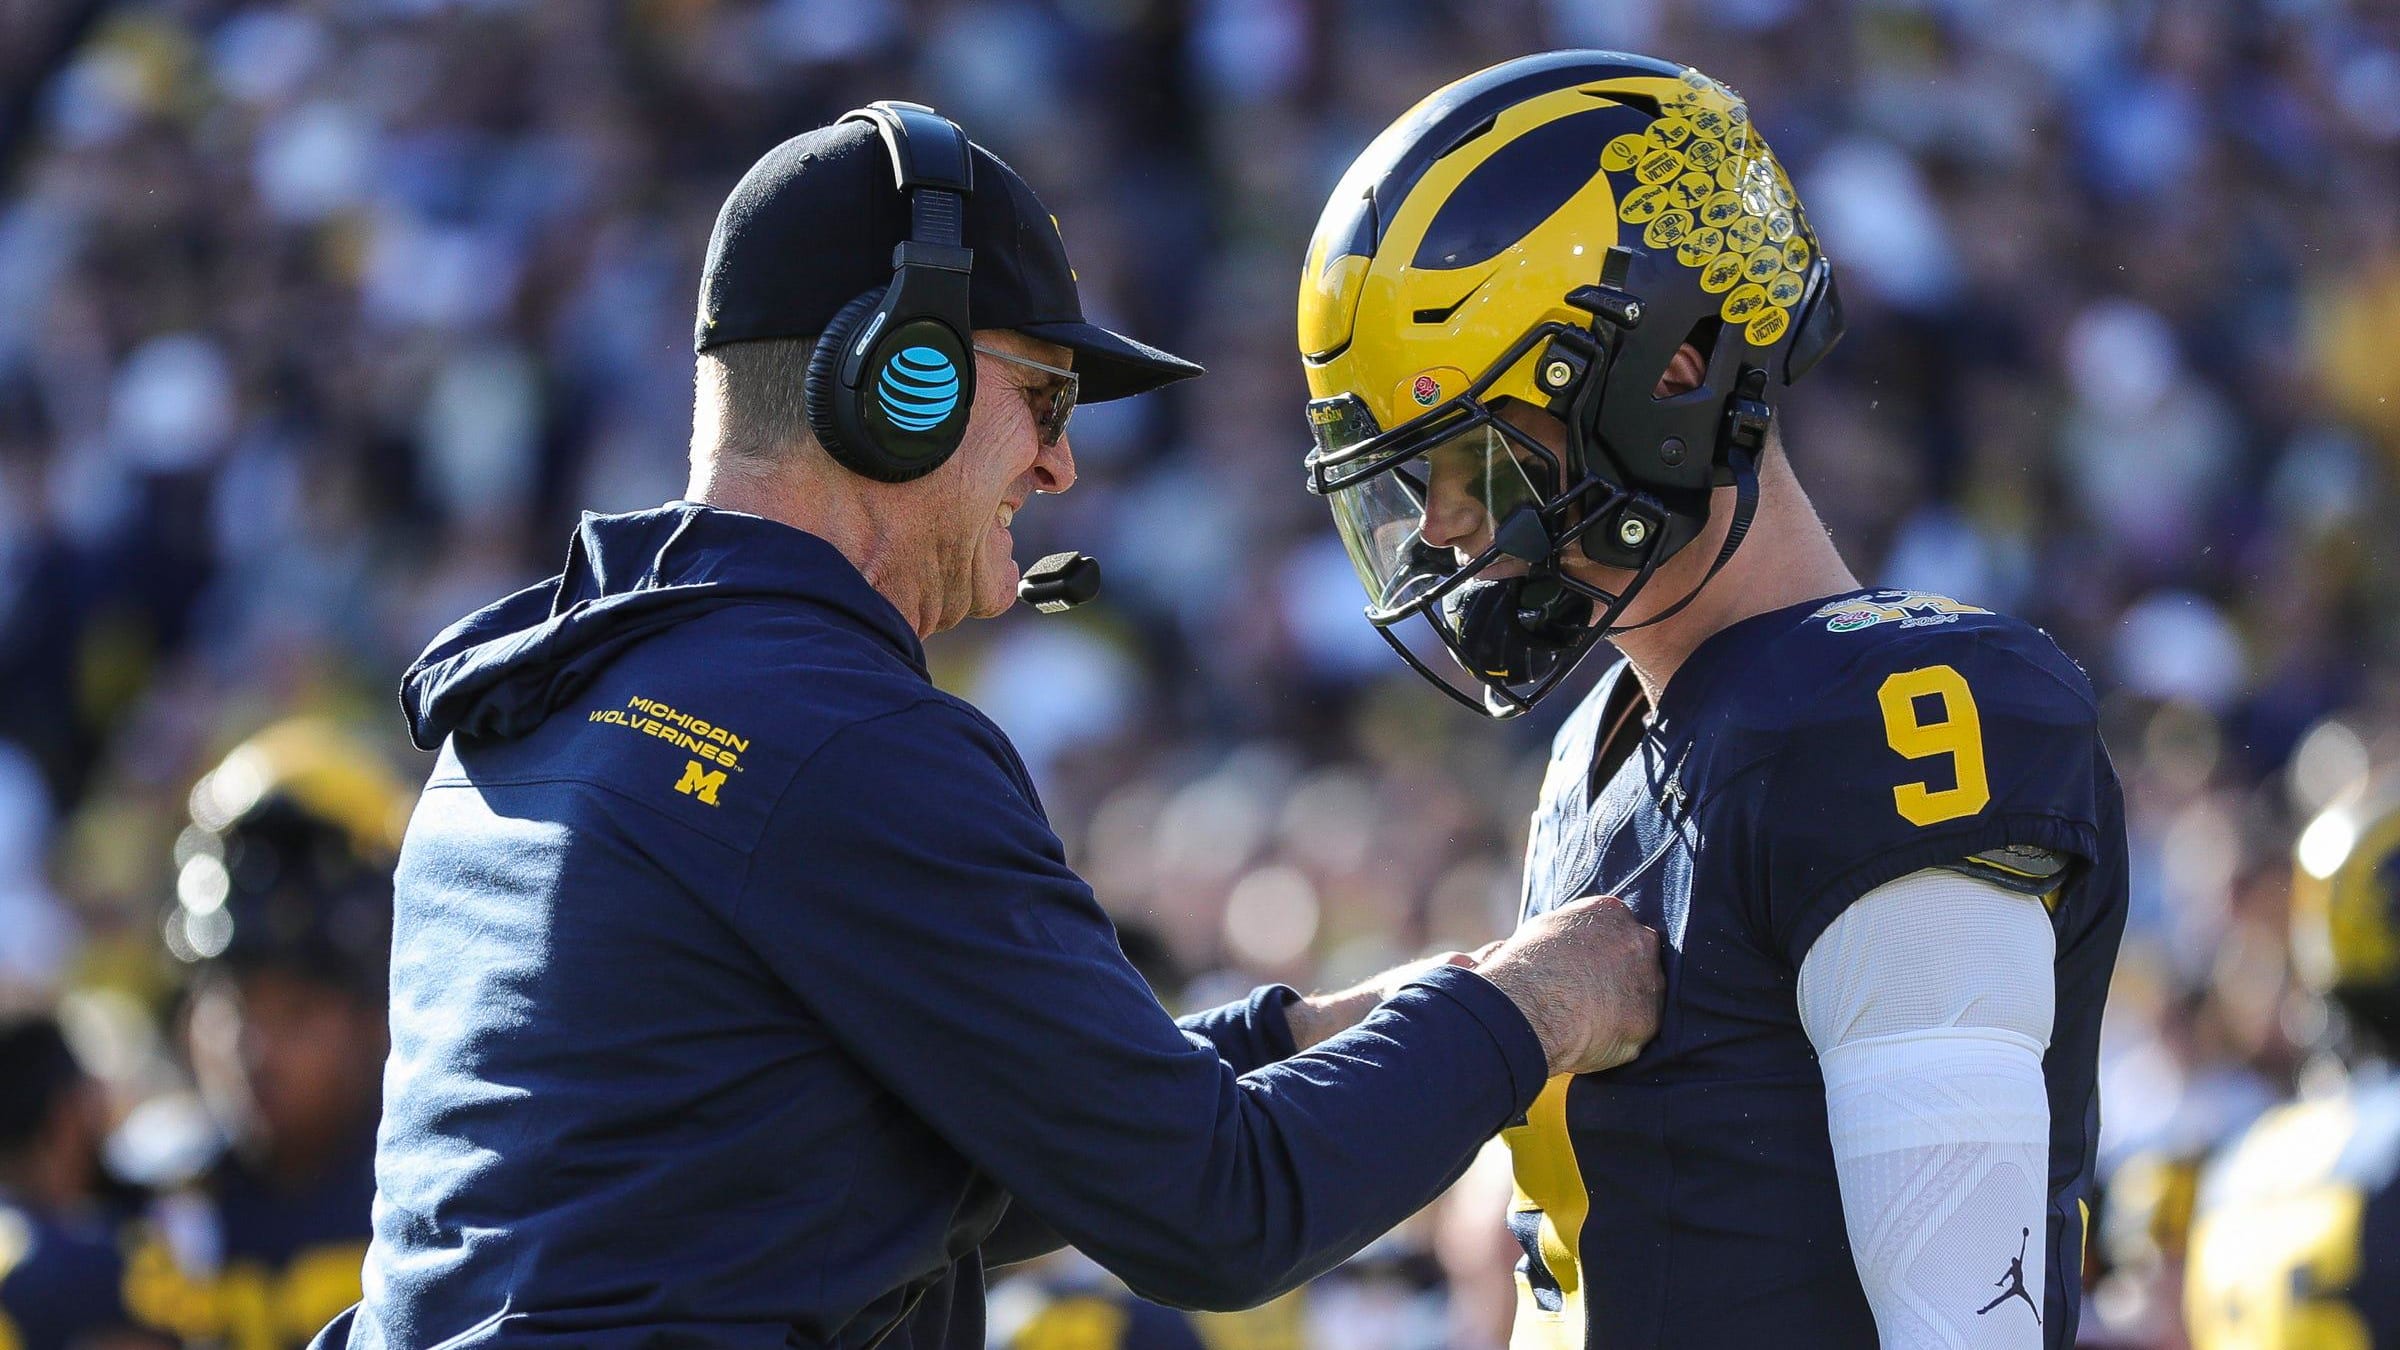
(1957, 731)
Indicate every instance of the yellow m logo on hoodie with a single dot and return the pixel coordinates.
(699, 782)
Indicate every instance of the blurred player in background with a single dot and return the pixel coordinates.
(1546, 319)
(60, 1265)
(2295, 1242)
(283, 912)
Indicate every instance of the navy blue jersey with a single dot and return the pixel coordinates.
(1071, 1306)
(252, 1265)
(1798, 759)
(1095, 1320)
(2296, 1236)
(59, 1279)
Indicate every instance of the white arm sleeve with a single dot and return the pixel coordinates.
(1929, 1002)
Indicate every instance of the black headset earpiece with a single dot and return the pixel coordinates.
(892, 378)
(821, 391)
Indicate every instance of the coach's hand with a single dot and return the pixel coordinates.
(1587, 977)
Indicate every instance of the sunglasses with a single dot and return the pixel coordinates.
(1053, 411)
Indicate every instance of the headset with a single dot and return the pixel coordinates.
(892, 377)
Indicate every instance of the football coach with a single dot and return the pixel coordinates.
(741, 994)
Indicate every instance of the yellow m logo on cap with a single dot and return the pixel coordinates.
(699, 782)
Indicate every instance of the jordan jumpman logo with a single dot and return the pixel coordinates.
(2012, 1285)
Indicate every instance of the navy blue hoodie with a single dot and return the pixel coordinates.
(740, 986)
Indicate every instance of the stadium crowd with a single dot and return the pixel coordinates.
(321, 319)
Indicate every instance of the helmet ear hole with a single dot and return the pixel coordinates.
(1702, 339)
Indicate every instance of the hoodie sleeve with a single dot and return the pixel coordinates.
(1249, 1033)
(911, 893)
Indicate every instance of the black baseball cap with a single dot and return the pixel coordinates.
(812, 226)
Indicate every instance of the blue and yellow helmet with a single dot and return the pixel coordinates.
(1549, 232)
(288, 860)
(2346, 907)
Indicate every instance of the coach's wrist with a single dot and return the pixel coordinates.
(1588, 980)
(1321, 1017)
(1537, 1001)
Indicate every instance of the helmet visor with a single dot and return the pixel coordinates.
(1417, 521)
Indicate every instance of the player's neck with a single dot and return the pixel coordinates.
(1787, 558)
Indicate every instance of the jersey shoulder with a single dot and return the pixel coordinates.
(1885, 732)
(1895, 709)
(1883, 642)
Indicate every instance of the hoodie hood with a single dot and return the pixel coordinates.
(498, 672)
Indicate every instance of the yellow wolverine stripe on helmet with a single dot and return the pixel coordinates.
(1366, 310)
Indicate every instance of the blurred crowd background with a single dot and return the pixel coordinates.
(320, 320)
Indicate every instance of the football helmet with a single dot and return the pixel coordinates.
(1549, 233)
(2346, 908)
(288, 860)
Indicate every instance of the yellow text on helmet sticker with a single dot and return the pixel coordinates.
(1668, 228)
(1642, 203)
(1669, 132)
(1746, 302)
(1624, 152)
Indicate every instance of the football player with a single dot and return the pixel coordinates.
(1546, 319)
(283, 913)
(1064, 1301)
(2295, 1242)
(60, 1267)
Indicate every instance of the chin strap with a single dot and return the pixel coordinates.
(1744, 436)
(1745, 506)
